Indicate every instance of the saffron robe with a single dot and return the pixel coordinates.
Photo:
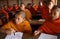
(5, 13)
(51, 27)
(23, 27)
(28, 14)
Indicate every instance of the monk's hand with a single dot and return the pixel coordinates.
(36, 32)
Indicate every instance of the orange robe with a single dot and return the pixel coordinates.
(28, 14)
(51, 27)
(23, 27)
(32, 10)
(10, 8)
(17, 7)
(5, 13)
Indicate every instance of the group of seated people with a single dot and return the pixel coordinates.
(21, 17)
(7, 13)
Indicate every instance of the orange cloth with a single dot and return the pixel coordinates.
(32, 10)
(10, 8)
(5, 13)
(28, 14)
(24, 26)
(35, 7)
(51, 27)
(17, 7)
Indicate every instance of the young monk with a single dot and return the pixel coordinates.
(20, 23)
(52, 26)
(43, 8)
(51, 4)
(27, 12)
(5, 11)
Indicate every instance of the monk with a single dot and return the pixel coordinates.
(10, 8)
(16, 7)
(35, 6)
(20, 24)
(43, 8)
(5, 11)
(30, 7)
(52, 26)
(51, 4)
(27, 12)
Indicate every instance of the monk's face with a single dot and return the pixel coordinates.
(51, 5)
(55, 15)
(18, 19)
(22, 7)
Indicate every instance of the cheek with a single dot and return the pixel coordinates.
(20, 20)
(16, 20)
(57, 16)
(52, 16)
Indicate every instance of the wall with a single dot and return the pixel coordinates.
(11, 2)
(58, 3)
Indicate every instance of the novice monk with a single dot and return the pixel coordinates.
(52, 26)
(20, 24)
(27, 12)
(43, 8)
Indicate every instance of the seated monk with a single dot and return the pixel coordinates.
(20, 24)
(35, 6)
(43, 8)
(17, 7)
(10, 8)
(27, 12)
(52, 26)
(5, 12)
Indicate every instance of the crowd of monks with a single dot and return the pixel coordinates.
(21, 22)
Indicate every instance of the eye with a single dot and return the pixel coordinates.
(18, 18)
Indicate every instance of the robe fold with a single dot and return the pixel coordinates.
(23, 27)
(51, 27)
(28, 14)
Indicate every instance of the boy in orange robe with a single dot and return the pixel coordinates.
(20, 24)
(43, 8)
(52, 26)
(27, 12)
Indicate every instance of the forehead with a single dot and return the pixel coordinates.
(17, 15)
